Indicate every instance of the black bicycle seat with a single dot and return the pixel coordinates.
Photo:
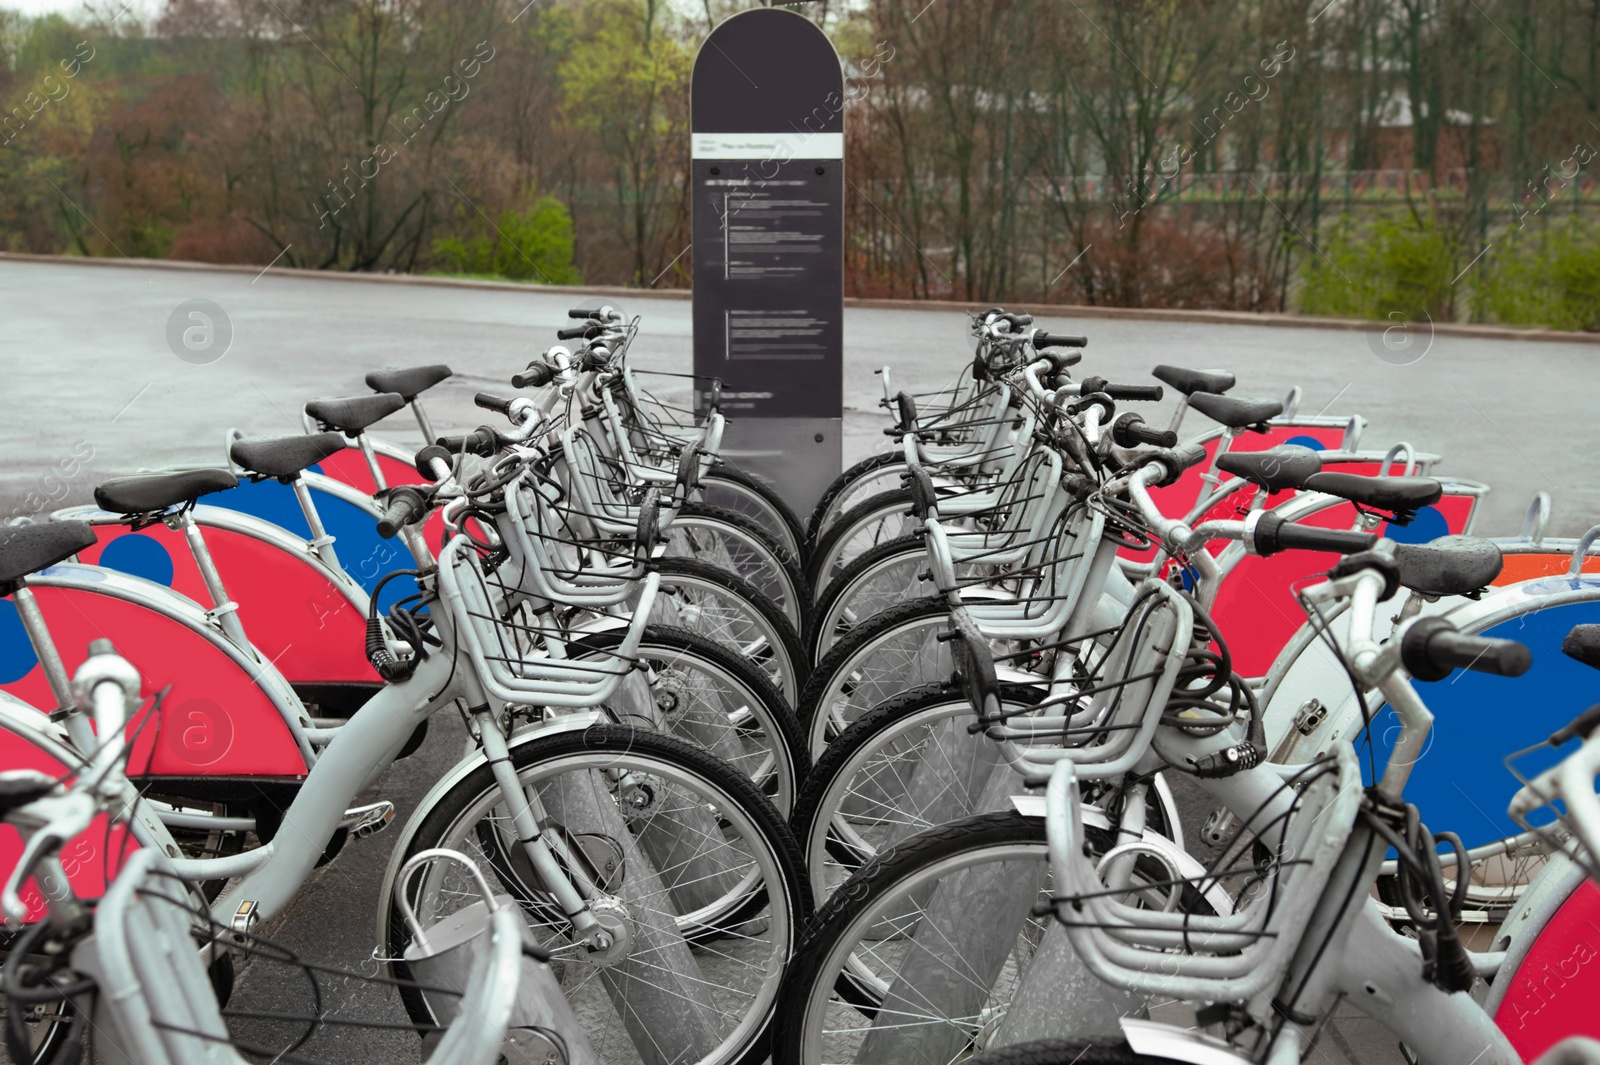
(1284, 466)
(1234, 411)
(1380, 493)
(410, 382)
(284, 456)
(1450, 565)
(353, 414)
(148, 493)
(26, 549)
(1189, 382)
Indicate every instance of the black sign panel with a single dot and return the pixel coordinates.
(768, 172)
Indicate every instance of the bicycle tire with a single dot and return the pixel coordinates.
(813, 982)
(777, 517)
(835, 549)
(771, 712)
(788, 656)
(860, 568)
(777, 573)
(1067, 1052)
(816, 807)
(822, 514)
(830, 676)
(613, 745)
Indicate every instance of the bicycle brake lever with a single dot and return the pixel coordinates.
(60, 818)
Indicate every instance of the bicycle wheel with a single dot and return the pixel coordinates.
(740, 546)
(1067, 1052)
(906, 766)
(921, 956)
(864, 526)
(876, 580)
(731, 488)
(896, 651)
(731, 612)
(706, 878)
(874, 474)
(710, 696)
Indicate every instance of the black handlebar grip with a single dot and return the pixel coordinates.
(424, 459)
(536, 375)
(1582, 725)
(1432, 649)
(577, 332)
(1042, 340)
(1138, 393)
(494, 403)
(582, 312)
(404, 506)
(481, 441)
(1273, 534)
(1060, 360)
(1130, 431)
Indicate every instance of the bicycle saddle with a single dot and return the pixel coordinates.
(1284, 466)
(284, 456)
(1583, 644)
(151, 492)
(1380, 493)
(1450, 565)
(1189, 382)
(353, 414)
(26, 549)
(409, 382)
(1233, 411)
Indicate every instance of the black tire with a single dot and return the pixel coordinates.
(1067, 1052)
(793, 574)
(841, 484)
(823, 673)
(759, 603)
(780, 510)
(910, 544)
(618, 742)
(806, 979)
(820, 569)
(774, 715)
(864, 733)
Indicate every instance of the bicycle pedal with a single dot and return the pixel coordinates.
(369, 820)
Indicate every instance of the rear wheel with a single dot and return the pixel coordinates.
(885, 516)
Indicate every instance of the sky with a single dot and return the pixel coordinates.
(143, 8)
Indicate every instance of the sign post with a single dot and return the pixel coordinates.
(768, 173)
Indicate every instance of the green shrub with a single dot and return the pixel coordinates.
(1551, 278)
(530, 245)
(1387, 268)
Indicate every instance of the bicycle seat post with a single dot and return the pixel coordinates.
(223, 609)
(321, 542)
(422, 420)
(55, 670)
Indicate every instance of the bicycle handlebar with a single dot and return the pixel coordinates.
(481, 441)
(1271, 534)
(1130, 430)
(404, 506)
(1138, 393)
(1432, 649)
(580, 332)
(1041, 339)
(537, 374)
(495, 403)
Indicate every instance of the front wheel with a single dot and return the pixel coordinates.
(1067, 1052)
(731, 488)
(710, 696)
(696, 869)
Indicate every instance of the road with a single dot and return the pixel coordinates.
(94, 388)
